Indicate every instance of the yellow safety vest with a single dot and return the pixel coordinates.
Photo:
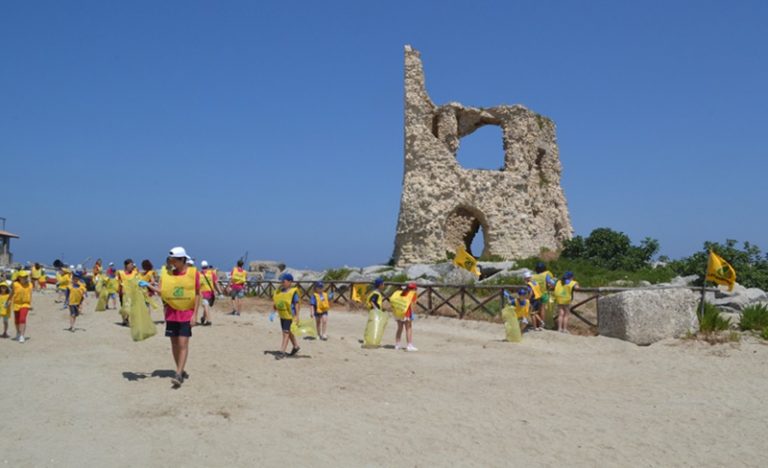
(322, 304)
(4, 311)
(238, 276)
(122, 275)
(283, 301)
(206, 286)
(369, 299)
(178, 291)
(111, 284)
(63, 279)
(76, 294)
(149, 276)
(536, 288)
(564, 292)
(522, 310)
(400, 303)
(22, 296)
(541, 278)
(36, 273)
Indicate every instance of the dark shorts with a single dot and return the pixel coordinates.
(320, 314)
(536, 304)
(178, 329)
(74, 311)
(285, 324)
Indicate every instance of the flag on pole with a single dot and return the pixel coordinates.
(466, 261)
(719, 271)
(359, 292)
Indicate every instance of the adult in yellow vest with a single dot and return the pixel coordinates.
(237, 280)
(20, 301)
(209, 287)
(564, 290)
(402, 308)
(375, 299)
(286, 303)
(35, 274)
(180, 291)
(129, 272)
(321, 304)
(535, 293)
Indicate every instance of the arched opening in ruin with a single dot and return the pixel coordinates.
(466, 227)
(482, 149)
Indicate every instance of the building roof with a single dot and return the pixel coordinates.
(8, 234)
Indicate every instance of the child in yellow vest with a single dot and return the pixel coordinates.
(76, 297)
(21, 301)
(402, 308)
(237, 279)
(564, 290)
(375, 299)
(522, 305)
(5, 310)
(287, 305)
(321, 304)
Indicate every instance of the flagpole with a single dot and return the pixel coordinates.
(703, 288)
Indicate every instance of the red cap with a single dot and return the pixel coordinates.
(412, 285)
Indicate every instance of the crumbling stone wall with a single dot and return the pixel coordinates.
(521, 207)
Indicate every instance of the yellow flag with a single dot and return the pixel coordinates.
(466, 261)
(359, 292)
(719, 271)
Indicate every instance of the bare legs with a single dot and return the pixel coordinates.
(564, 312)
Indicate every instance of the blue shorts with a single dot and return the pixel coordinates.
(536, 305)
(74, 310)
(237, 293)
(173, 329)
(285, 324)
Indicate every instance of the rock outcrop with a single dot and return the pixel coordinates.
(647, 316)
(521, 207)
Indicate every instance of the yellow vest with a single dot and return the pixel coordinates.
(178, 291)
(122, 275)
(536, 288)
(238, 276)
(401, 303)
(22, 296)
(369, 299)
(541, 278)
(522, 310)
(36, 273)
(4, 311)
(149, 276)
(76, 294)
(63, 279)
(322, 304)
(283, 301)
(206, 286)
(564, 292)
(111, 284)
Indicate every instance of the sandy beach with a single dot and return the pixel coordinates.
(95, 398)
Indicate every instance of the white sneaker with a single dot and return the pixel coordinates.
(398, 347)
(21, 339)
(411, 348)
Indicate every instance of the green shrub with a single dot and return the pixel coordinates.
(750, 263)
(338, 274)
(764, 333)
(590, 274)
(754, 317)
(398, 278)
(611, 249)
(711, 321)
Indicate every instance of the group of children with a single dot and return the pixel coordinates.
(543, 290)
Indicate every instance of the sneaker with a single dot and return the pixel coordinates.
(411, 348)
(184, 375)
(4, 335)
(294, 351)
(398, 347)
(21, 339)
(177, 380)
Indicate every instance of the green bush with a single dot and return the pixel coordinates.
(611, 249)
(754, 317)
(711, 321)
(590, 275)
(750, 264)
(337, 274)
(764, 334)
(398, 278)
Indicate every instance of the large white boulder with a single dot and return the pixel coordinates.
(647, 316)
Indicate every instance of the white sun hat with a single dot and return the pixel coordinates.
(179, 252)
(204, 264)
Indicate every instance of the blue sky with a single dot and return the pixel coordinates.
(276, 127)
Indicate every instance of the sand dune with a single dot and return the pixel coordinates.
(95, 398)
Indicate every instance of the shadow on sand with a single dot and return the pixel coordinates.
(161, 373)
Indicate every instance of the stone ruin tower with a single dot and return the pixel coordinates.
(520, 207)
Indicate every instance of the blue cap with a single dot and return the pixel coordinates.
(540, 265)
(319, 285)
(522, 292)
(378, 281)
(286, 277)
(568, 275)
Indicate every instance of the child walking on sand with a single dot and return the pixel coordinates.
(21, 301)
(321, 304)
(564, 290)
(76, 296)
(402, 308)
(5, 310)
(287, 305)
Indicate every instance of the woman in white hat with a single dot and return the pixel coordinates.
(180, 291)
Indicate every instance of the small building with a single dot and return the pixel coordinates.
(6, 257)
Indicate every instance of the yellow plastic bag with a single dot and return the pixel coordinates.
(374, 329)
(101, 304)
(549, 314)
(511, 325)
(305, 327)
(142, 326)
